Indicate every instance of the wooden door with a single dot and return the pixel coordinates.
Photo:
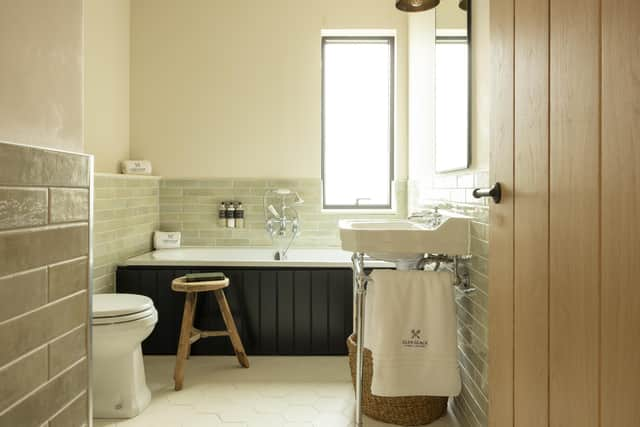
(564, 328)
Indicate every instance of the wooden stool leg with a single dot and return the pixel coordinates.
(236, 342)
(185, 339)
(193, 315)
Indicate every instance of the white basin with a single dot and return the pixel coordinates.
(405, 240)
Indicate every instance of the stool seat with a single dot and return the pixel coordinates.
(189, 334)
(180, 284)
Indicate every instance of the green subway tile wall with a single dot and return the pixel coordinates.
(128, 208)
(453, 191)
(126, 213)
(191, 206)
(44, 283)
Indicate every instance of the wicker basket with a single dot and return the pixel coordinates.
(405, 410)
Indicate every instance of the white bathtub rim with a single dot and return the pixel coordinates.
(200, 256)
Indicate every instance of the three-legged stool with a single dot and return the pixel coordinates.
(189, 334)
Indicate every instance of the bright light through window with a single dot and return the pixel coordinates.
(358, 121)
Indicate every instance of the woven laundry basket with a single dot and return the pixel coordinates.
(404, 410)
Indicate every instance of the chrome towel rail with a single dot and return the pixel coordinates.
(458, 265)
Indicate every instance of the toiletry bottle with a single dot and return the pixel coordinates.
(222, 215)
(239, 215)
(231, 221)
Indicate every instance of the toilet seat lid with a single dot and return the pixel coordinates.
(115, 305)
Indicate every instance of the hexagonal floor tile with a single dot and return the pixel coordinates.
(301, 413)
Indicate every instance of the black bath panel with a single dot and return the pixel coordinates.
(284, 311)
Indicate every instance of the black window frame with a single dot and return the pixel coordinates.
(391, 41)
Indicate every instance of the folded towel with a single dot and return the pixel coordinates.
(166, 240)
(136, 167)
(411, 332)
(204, 277)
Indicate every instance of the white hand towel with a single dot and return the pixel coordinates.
(411, 332)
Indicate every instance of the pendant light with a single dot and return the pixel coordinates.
(463, 5)
(416, 5)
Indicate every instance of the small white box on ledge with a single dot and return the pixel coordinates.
(136, 167)
(166, 239)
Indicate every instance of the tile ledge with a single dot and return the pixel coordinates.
(35, 146)
(123, 176)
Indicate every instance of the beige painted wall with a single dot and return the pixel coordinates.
(226, 89)
(106, 84)
(421, 98)
(41, 73)
(450, 16)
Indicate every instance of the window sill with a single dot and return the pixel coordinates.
(391, 211)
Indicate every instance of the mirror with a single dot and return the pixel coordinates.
(452, 85)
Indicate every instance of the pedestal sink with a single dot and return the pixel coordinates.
(405, 240)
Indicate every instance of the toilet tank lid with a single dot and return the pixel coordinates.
(109, 305)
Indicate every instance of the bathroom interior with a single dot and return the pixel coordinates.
(325, 213)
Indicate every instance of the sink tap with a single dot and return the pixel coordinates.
(416, 216)
(435, 219)
(431, 218)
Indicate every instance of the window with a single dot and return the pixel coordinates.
(357, 122)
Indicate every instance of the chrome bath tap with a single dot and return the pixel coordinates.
(283, 223)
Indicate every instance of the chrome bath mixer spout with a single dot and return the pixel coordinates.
(283, 222)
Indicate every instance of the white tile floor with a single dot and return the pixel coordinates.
(275, 391)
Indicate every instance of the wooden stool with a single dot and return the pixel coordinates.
(189, 334)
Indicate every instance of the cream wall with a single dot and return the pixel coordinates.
(106, 107)
(449, 15)
(41, 73)
(230, 89)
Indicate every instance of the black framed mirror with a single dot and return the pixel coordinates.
(453, 68)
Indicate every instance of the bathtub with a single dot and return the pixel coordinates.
(302, 305)
(248, 257)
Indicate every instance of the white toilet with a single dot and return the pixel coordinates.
(120, 323)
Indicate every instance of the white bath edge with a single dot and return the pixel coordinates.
(248, 257)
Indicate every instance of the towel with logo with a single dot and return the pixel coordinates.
(411, 332)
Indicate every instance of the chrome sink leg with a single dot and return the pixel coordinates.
(360, 290)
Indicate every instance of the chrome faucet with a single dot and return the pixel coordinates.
(283, 222)
(432, 218)
(435, 219)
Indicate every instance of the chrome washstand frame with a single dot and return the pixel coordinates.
(456, 264)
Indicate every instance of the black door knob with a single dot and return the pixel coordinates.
(494, 192)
